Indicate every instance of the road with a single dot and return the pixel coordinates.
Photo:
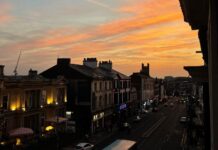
(156, 131)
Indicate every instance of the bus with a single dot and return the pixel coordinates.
(122, 144)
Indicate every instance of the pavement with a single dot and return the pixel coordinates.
(101, 136)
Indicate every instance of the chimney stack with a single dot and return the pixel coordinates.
(2, 70)
(106, 65)
(90, 62)
(32, 73)
(63, 61)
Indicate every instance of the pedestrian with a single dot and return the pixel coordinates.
(87, 137)
(129, 129)
(111, 127)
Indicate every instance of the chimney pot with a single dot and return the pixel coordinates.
(90, 62)
(33, 73)
(106, 65)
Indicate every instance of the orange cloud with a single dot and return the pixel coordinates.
(4, 13)
(151, 31)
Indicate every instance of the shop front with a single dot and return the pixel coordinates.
(98, 122)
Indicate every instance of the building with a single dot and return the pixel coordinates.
(31, 101)
(95, 92)
(144, 85)
(133, 98)
(202, 16)
(159, 90)
(178, 86)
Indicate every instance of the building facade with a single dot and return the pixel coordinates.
(159, 89)
(32, 102)
(95, 92)
(144, 85)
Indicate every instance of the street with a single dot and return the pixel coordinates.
(159, 130)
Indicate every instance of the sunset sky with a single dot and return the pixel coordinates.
(128, 32)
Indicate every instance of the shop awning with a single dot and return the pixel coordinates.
(57, 119)
(20, 132)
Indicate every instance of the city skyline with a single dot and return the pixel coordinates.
(128, 33)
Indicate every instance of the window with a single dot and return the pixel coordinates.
(105, 100)
(115, 84)
(95, 86)
(128, 84)
(32, 99)
(94, 98)
(125, 97)
(5, 102)
(60, 95)
(100, 101)
(116, 98)
(106, 85)
(124, 84)
(110, 100)
(43, 97)
(100, 86)
(120, 97)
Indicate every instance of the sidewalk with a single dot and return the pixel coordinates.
(101, 136)
(186, 146)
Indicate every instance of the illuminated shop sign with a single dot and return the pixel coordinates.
(98, 116)
(123, 106)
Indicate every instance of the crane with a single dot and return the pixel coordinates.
(15, 69)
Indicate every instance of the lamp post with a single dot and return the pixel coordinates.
(56, 128)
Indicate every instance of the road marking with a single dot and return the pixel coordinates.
(153, 128)
(184, 136)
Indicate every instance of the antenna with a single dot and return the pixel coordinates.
(15, 69)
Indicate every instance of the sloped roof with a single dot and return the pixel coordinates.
(140, 75)
(98, 72)
(22, 78)
(76, 71)
(87, 71)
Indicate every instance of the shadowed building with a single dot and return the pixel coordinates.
(144, 85)
(31, 101)
(159, 89)
(202, 16)
(94, 91)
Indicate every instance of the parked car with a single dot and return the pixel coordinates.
(155, 109)
(84, 146)
(171, 104)
(124, 126)
(137, 119)
(184, 119)
(145, 111)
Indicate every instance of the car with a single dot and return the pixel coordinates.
(184, 119)
(171, 104)
(84, 146)
(144, 111)
(165, 105)
(137, 119)
(124, 126)
(155, 109)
